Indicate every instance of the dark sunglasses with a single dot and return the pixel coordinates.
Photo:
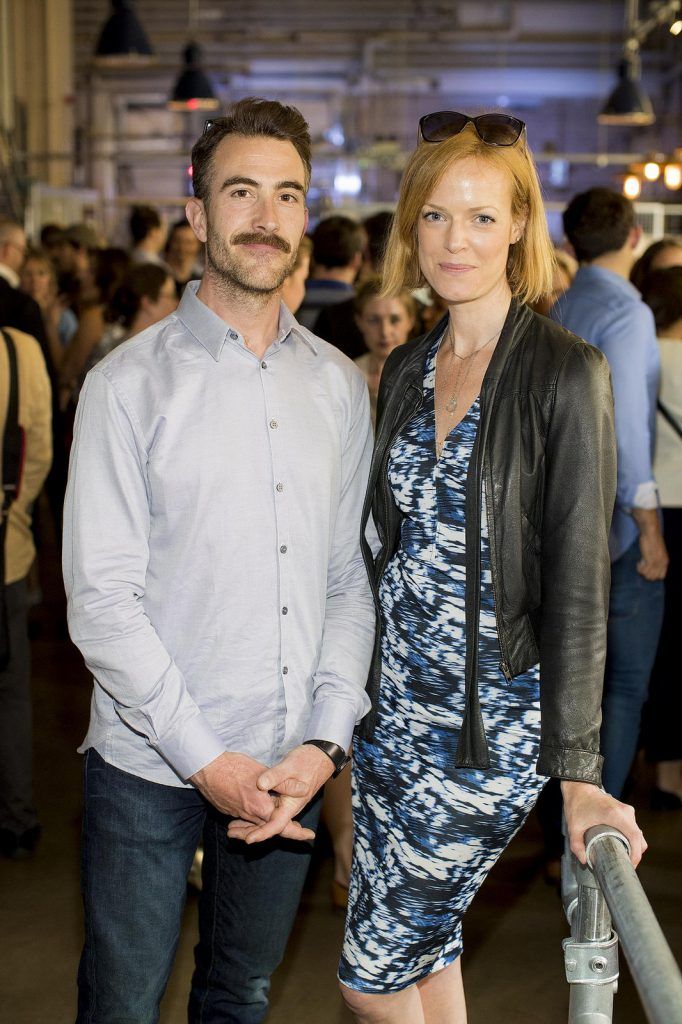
(493, 129)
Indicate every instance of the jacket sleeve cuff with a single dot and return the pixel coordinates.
(576, 765)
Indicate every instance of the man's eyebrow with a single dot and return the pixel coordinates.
(240, 180)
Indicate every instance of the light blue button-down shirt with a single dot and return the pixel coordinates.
(608, 312)
(212, 562)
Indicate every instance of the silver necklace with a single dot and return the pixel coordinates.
(463, 374)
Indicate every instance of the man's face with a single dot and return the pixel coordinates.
(183, 245)
(13, 249)
(256, 214)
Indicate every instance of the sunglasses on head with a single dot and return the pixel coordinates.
(493, 129)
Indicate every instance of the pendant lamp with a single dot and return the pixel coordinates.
(123, 41)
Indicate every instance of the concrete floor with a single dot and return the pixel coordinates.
(513, 963)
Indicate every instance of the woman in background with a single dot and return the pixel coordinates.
(385, 323)
(665, 252)
(662, 719)
(38, 278)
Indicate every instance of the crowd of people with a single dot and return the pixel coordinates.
(519, 521)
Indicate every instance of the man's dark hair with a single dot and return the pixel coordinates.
(337, 240)
(662, 292)
(598, 221)
(143, 220)
(251, 117)
(378, 227)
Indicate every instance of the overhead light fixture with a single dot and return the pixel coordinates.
(632, 186)
(652, 170)
(672, 176)
(193, 89)
(123, 41)
(676, 27)
(628, 104)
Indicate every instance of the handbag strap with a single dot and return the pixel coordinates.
(12, 464)
(669, 418)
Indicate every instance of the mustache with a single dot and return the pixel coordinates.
(259, 238)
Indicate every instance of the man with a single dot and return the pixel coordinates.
(183, 255)
(604, 308)
(338, 247)
(17, 309)
(19, 828)
(148, 233)
(336, 323)
(217, 591)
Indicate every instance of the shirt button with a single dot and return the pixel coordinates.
(273, 424)
(284, 611)
(283, 549)
(285, 670)
(280, 487)
(263, 365)
(233, 335)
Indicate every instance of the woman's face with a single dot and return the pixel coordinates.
(293, 288)
(384, 324)
(465, 230)
(37, 280)
(167, 301)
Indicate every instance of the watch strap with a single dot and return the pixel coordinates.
(336, 754)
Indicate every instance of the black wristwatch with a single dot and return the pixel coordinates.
(336, 754)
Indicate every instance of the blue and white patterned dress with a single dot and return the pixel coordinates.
(427, 833)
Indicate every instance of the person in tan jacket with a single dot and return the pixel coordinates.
(19, 828)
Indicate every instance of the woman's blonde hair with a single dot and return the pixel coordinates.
(531, 260)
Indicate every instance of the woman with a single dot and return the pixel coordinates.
(293, 288)
(665, 252)
(662, 291)
(491, 487)
(146, 295)
(110, 267)
(38, 278)
(384, 322)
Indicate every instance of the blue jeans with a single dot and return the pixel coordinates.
(635, 618)
(139, 840)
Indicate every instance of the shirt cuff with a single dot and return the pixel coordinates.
(332, 720)
(191, 748)
(646, 496)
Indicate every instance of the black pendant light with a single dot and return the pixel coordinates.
(628, 104)
(123, 41)
(193, 89)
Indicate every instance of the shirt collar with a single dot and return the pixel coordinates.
(212, 331)
(593, 276)
(9, 275)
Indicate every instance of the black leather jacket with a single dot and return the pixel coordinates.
(546, 456)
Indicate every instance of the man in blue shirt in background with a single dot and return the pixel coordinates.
(602, 307)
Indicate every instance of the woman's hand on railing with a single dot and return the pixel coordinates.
(586, 805)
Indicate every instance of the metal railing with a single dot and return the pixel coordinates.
(607, 890)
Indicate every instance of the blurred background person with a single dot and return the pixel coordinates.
(38, 278)
(662, 291)
(17, 308)
(293, 289)
(51, 239)
(148, 233)
(145, 295)
(338, 247)
(29, 388)
(565, 269)
(110, 268)
(337, 323)
(183, 255)
(385, 323)
(665, 252)
(74, 261)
